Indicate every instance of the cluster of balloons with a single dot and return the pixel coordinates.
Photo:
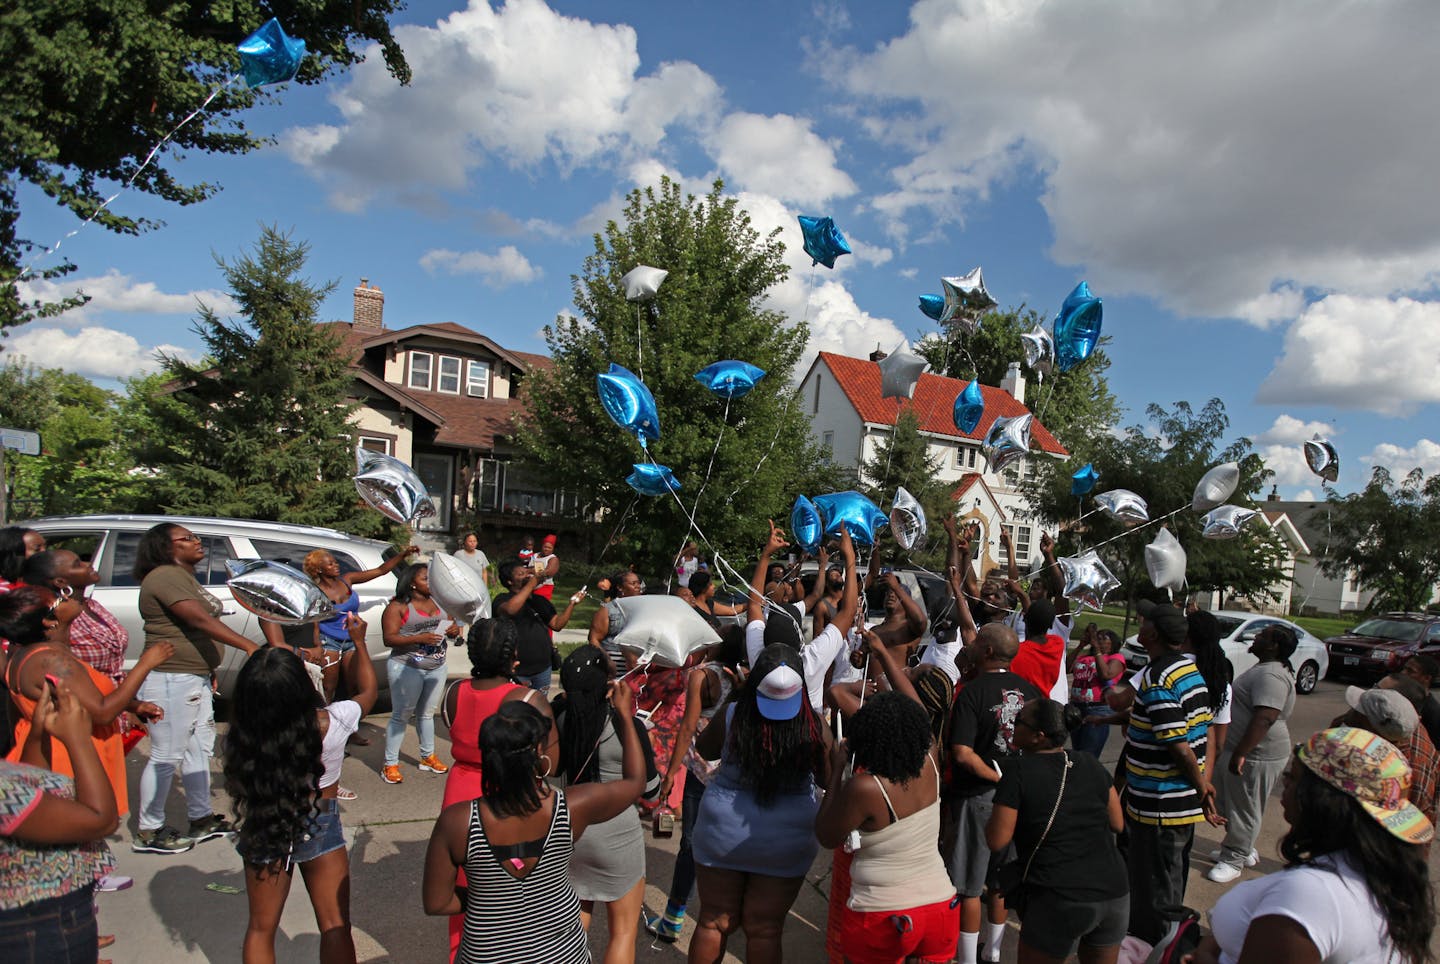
(813, 521)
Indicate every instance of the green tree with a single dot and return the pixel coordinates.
(1387, 535)
(739, 461)
(903, 458)
(90, 88)
(260, 428)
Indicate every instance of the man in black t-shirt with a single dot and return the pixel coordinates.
(982, 730)
(534, 618)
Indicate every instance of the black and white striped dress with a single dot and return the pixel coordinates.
(511, 920)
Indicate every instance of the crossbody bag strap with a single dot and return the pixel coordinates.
(1065, 772)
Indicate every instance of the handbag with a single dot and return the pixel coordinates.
(1010, 876)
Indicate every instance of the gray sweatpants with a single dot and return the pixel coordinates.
(1242, 800)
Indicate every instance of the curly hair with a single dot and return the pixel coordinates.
(771, 754)
(491, 645)
(509, 745)
(272, 754)
(1203, 638)
(890, 736)
(23, 612)
(313, 560)
(154, 550)
(1328, 821)
(12, 552)
(1056, 721)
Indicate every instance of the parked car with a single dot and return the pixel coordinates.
(1237, 631)
(109, 543)
(1382, 645)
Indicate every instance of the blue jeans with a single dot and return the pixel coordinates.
(682, 882)
(540, 682)
(60, 930)
(1091, 737)
(417, 690)
(186, 736)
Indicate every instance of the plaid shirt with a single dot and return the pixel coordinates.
(1424, 771)
(97, 638)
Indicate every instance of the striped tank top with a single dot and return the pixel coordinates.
(522, 920)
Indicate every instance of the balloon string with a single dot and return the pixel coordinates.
(809, 293)
(778, 429)
(639, 348)
(724, 420)
(215, 92)
(1143, 525)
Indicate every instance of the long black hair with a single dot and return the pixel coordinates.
(890, 736)
(773, 754)
(272, 754)
(509, 744)
(1203, 635)
(405, 582)
(582, 712)
(12, 552)
(491, 645)
(154, 550)
(1328, 821)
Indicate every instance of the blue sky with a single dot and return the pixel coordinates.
(1248, 185)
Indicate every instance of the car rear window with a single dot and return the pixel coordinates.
(83, 544)
(293, 554)
(1403, 630)
(210, 571)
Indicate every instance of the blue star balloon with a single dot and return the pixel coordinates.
(1083, 481)
(627, 401)
(969, 408)
(267, 56)
(806, 524)
(1077, 327)
(851, 509)
(730, 379)
(933, 306)
(651, 479)
(823, 240)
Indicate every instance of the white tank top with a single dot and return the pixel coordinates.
(899, 867)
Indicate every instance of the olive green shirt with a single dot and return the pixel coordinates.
(195, 652)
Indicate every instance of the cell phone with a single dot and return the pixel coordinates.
(886, 570)
(53, 681)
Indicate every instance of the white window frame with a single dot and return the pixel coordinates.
(410, 379)
(471, 367)
(827, 443)
(388, 444)
(440, 375)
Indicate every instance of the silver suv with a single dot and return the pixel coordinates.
(109, 543)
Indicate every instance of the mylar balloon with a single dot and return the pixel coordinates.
(1322, 458)
(1007, 440)
(1039, 350)
(628, 402)
(277, 592)
(730, 379)
(651, 479)
(1087, 580)
(900, 373)
(1215, 486)
(1122, 505)
(1077, 327)
(664, 630)
(853, 511)
(642, 282)
(1225, 522)
(907, 519)
(823, 240)
(1165, 561)
(806, 524)
(458, 588)
(1083, 481)
(392, 487)
(267, 56)
(932, 306)
(965, 299)
(969, 408)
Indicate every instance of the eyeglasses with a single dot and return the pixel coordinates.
(190, 538)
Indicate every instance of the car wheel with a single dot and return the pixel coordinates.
(1306, 677)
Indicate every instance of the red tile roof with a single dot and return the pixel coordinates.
(967, 482)
(934, 402)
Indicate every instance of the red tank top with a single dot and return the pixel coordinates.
(472, 708)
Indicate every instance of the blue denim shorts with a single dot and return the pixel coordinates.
(326, 834)
(332, 645)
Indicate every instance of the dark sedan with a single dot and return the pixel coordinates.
(1382, 645)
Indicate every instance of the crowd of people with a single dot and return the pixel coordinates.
(947, 758)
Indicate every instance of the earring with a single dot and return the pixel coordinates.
(65, 592)
(546, 758)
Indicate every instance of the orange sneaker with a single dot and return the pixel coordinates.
(432, 764)
(391, 775)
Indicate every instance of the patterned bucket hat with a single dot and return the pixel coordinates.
(1370, 769)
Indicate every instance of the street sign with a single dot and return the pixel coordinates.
(26, 443)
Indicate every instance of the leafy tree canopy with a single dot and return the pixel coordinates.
(903, 459)
(1388, 535)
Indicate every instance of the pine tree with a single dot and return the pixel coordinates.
(903, 459)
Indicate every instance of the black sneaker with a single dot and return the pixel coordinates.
(208, 828)
(163, 840)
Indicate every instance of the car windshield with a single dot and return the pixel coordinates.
(1403, 630)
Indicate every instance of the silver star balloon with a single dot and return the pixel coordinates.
(1087, 580)
(392, 487)
(965, 299)
(643, 282)
(1122, 505)
(1226, 521)
(907, 519)
(900, 373)
(1165, 561)
(1216, 486)
(1322, 458)
(277, 592)
(1007, 440)
(1039, 350)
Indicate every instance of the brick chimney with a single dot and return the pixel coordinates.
(1014, 382)
(878, 355)
(369, 308)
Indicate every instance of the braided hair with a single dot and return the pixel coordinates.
(1203, 637)
(510, 746)
(491, 645)
(583, 712)
(772, 754)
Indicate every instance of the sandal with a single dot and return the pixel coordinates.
(105, 940)
(345, 793)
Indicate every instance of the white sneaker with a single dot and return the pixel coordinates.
(1250, 861)
(1223, 873)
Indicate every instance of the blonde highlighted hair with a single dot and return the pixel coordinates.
(314, 559)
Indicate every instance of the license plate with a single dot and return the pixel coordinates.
(1352, 660)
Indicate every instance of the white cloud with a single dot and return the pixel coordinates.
(1304, 495)
(505, 267)
(95, 352)
(1220, 157)
(1369, 353)
(781, 156)
(1424, 455)
(1289, 430)
(116, 292)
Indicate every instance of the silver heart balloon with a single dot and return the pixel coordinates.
(907, 519)
(1226, 521)
(965, 299)
(392, 487)
(1322, 458)
(900, 372)
(1007, 440)
(1087, 580)
(1165, 561)
(1122, 505)
(1215, 486)
(458, 588)
(277, 592)
(1039, 350)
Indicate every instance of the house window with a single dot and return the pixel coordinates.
(420, 365)
(827, 443)
(815, 403)
(375, 443)
(1013, 473)
(1020, 539)
(965, 457)
(449, 382)
(477, 379)
(492, 483)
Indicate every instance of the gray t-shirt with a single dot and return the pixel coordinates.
(1264, 684)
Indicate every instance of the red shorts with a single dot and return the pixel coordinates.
(929, 932)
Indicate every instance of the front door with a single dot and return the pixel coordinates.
(438, 473)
